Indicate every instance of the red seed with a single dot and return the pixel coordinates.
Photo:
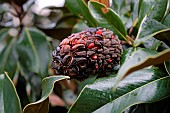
(97, 66)
(96, 47)
(110, 61)
(94, 57)
(99, 32)
(91, 45)
(74, 42)
(113, 36)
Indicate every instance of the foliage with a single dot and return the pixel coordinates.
(142, 81)
(25, 49)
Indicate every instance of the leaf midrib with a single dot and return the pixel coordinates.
(33, 47)
(137, 89)
(6, 56)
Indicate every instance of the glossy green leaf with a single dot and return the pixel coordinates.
(9, 100)
(122, 8)
(8, 58)
(41, 106)
(7, 53)
(134, 89)
(131, 57)
(155, 9)
(164, 35)
(135, 6)
(139, 59)
(158, 10)
(34, 51)
(167, 66)
(79, 7)
(152, 43)
(3, 38)
(151, 92)
(149, 28)
(127, 53)
(118, 5)
(108, 19)
(144, 9)
(167, 21)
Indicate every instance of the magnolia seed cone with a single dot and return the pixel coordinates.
(92, 51)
